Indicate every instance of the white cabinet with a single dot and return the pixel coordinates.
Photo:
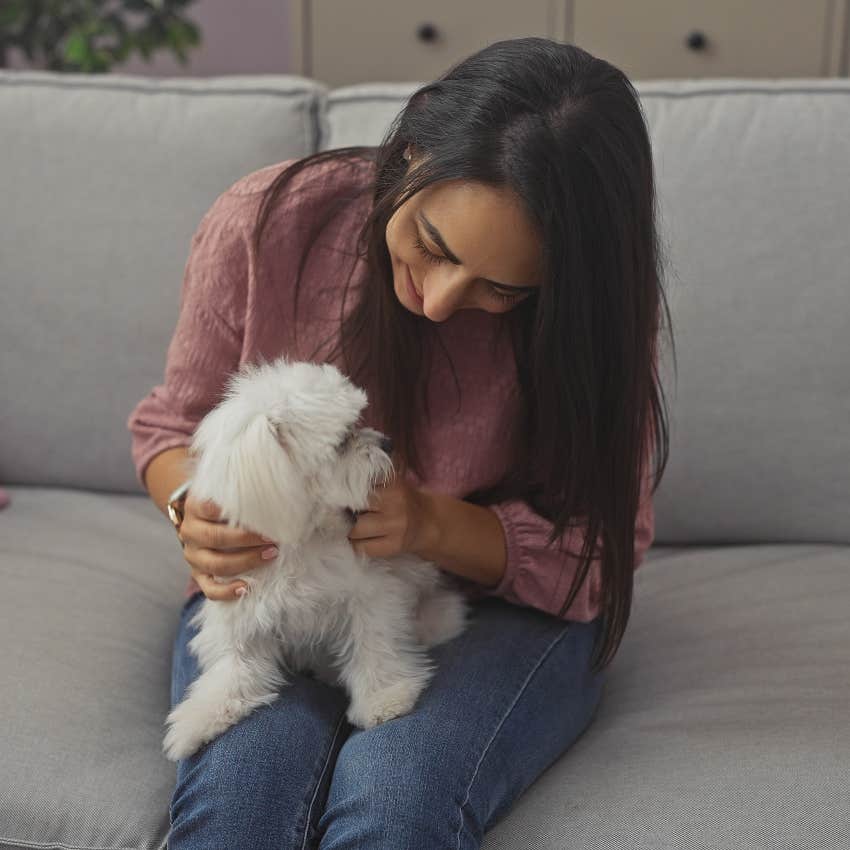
(348, 41)
(720, 38)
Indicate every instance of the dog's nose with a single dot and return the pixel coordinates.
(386, 445)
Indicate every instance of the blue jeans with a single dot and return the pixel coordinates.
(509, 696)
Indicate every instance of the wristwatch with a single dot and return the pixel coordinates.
(176, 501)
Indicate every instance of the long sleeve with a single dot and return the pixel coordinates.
(539, 576)
(207, 341)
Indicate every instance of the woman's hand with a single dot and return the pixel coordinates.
(400, 518)
(213, 548)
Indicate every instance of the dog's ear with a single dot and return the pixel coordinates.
(264, 488)
(278, 430)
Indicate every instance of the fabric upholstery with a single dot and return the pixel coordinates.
(724, 719)
(104, 179)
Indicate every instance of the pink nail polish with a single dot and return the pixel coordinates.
(241, 591)
(269, 553)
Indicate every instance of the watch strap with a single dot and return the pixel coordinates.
(181, 491)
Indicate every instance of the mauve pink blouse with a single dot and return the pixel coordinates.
(233, 311)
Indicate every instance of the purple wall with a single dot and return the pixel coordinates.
(237, 37)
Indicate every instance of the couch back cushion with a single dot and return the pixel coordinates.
(752, 180)
(104, 179)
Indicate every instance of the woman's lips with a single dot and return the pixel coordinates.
(410, 285)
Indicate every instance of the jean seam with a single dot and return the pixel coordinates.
(501, 723)
(180, 626)
(319, 780)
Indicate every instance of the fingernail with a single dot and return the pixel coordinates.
(269, 553)
(241, 591)
(267, 539)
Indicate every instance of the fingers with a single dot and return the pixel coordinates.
(203, 526)
(225, 564)
(211, 535)
(205, 509)
(214, 549)
(216, 591)
(207, 565)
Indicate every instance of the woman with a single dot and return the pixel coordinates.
(507, 219)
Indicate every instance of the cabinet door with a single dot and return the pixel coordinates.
(721, 38)
(353, 41)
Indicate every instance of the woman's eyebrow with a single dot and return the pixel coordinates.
(437, 237)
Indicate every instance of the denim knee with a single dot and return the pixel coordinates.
(385, 794)
(261, 782)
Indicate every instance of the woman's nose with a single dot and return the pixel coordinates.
(447, 295)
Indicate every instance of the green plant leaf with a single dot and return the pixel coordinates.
(11, 11)
(93, 35)
(76, 48)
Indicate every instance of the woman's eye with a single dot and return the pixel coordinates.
(505, 299)
(435, 258)
(431, 258)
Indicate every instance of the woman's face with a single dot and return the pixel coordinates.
(465, 246)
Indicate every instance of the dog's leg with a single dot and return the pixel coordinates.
(384, 670)
(440, 616)
(441, 609)
(228, 690)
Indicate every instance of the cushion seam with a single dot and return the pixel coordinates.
(155, 89)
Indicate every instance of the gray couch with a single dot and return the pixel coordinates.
(725, 719)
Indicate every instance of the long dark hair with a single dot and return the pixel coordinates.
(565, 131)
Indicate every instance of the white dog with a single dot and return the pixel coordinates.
(282, 455)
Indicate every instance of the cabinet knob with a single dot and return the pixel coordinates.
(696, 40)
(426, 32)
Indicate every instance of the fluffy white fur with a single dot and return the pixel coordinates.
(283, 455)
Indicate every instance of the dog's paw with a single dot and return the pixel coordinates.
(383, 705)
(440, 617)
(184, 736)
(193, 724)
(178, 745)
